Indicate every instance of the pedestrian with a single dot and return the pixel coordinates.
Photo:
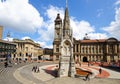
(6, 64)
(87, 77)
(38, 70)
(100, 70)
(79, 63)
(88, 64)
(33, 68)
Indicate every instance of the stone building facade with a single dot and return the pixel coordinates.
(107, 50)
(6, 48)
(19, 49)
(27, 50)
(47, 54)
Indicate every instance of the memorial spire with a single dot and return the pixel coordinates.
(66, 3)
(66, 17)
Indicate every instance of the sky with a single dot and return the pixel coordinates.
(34, 19)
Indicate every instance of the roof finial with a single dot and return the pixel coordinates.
(66, 3)
(8, 36)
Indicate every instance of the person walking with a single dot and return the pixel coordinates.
(88, 64)
(100, 70)
(6, 64)
(33, 69)
(87, 77)
(38, 70)
(79, 63)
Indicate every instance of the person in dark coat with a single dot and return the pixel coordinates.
(6, 64)
(100, 70)
(87, 77)
(33, 69)
(38, 70)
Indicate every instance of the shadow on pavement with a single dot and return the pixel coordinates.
(51, 72)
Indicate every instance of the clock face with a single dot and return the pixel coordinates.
(57, 26)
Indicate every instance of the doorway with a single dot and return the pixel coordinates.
(85, 59)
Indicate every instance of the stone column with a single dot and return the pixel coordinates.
(107, 48)
(92, 49)
(88, 49)
(98, 50)
(79, 58)
(95, 49)
(118, 52)
(79, 48)
(54, 57)
(72, 64)
(116, 48)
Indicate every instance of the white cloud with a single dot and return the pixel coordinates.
(117, 2)
(114, 28)
(97, 35)
(79, 27)
(52, 12)
(8, 39)
(47, 32)
(26, 37)
(44, 45)
(19, 15)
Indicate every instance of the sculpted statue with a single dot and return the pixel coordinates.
(66, 49)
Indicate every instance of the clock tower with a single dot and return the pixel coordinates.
(57, 37)
(58, 28)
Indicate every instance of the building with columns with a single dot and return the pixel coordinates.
(19, 49)
(27, 50)
(107, 50)
(6, 47)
